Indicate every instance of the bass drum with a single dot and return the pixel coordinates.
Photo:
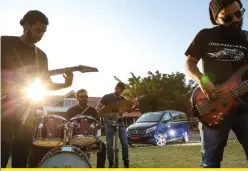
(65, 157)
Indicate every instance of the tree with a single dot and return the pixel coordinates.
(162, 91)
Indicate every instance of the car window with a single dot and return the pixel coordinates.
(177, 117)
(150, 117)
(166, 118)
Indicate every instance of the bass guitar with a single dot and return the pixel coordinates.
(212, 112)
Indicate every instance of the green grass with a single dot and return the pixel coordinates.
(179, 156)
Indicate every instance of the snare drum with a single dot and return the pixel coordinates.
(86, 134)
(65, 157)
(48, 131)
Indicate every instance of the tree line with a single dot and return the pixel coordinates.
(160, 91)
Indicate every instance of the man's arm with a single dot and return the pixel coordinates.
(192, 69)
(101, 104)
(68, 114)
(94, 114)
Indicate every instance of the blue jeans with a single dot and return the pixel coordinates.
(123, 139)
(214, 140)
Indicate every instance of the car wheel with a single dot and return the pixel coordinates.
(161, 140)
(185, 137)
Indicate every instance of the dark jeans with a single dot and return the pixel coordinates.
(215, 139)
(37, 154)
(110, 130)
(17, 130)
(16, 140)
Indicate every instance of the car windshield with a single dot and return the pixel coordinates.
(150, 117)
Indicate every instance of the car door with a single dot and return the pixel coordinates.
(184, 122)
(166, 125)
(179, 124)
(176, 125)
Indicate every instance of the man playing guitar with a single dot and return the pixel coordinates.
(109, 129)
(223, 50)
(16, 53)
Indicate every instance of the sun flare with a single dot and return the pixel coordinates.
(36, 90)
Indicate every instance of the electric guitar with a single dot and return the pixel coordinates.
(212, 112)
(12, 82)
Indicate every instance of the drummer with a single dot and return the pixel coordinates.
(37, 153)
(84, 109)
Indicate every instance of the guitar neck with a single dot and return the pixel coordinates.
(80, 68)
(62, 70)
(240, 89)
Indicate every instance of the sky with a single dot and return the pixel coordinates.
(115, 36)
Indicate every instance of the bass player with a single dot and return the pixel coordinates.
(223, 50)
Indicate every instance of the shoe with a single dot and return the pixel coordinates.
(111, 164)
(126, 163)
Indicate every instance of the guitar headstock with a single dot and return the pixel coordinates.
(83, 68)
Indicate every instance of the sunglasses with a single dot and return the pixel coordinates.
(83, 97)
(229, 18)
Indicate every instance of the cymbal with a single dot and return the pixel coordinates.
(119, 107)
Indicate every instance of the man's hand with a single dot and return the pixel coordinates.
(207, 87)
(205, 84)
(68, 78)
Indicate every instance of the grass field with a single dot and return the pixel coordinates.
(179, 156)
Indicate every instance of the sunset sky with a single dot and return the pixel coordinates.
(115, 36)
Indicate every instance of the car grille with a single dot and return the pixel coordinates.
(136, 132)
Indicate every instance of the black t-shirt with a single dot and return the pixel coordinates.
(76, 110)
(108, 99)
(15, 55)
(13, 50)
(221, 57)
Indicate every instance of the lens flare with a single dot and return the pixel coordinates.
(36, 90)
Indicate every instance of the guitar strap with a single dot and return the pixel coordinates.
(23, 113)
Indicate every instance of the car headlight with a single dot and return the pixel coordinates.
(151, 129)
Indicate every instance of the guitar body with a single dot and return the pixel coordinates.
(212, 113)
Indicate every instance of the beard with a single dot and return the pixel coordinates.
(31, 38)
(233, 31)
(83, 103)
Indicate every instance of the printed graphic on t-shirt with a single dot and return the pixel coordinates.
(227, 52)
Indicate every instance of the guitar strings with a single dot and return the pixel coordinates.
(228, 94)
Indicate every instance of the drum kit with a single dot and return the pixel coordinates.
(67, 138)
(72, 140)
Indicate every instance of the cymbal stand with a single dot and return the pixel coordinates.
(116, 148)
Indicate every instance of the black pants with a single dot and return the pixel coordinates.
(16, 139)
(214, 140)
(37, 154)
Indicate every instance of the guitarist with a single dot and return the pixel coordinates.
(18, 52)
(223, 50)
(110, 130)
